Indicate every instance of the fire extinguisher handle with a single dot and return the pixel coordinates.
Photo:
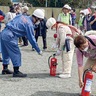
(54, 54)
(90, 69)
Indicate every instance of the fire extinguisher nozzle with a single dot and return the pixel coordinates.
(54, 54)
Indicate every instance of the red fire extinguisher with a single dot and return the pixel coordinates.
(87, 79)
(52, 61)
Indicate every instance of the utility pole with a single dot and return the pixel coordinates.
(46, 3)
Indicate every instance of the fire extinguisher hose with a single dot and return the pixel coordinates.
(49, 61)
(85, 72)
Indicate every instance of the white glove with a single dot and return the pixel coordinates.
(41, 53)
(58, 52)
(54, 46)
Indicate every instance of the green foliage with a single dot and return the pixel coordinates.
(53, 3)
(5, 3)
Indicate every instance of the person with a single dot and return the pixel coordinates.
(10, 15)
(41, 31)
(93, 20)
(25, 12)
(86, 19)
(65, 45)
(1, 14)
(65, 16)
(86, 48)
(80, 22)
(73, 16)
(20, 26)
(18, 9)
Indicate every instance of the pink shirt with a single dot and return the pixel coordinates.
(91, 53)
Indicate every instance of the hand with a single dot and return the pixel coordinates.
(41, 53)
(58, 52)
(81, 84)
(54, 46)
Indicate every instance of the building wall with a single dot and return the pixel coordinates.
(48, 11)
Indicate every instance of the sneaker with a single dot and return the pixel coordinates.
(6, 71)
(64, 75)
(33, 49)
(19, 74)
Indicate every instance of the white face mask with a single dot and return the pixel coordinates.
(86, 49)
(38, 22)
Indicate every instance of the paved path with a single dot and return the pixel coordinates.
(39, 82)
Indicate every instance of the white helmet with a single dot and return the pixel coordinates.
(50, 22)
(67, 6)
(39, 13)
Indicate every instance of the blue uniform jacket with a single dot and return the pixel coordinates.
(21, 26)
(41, 28)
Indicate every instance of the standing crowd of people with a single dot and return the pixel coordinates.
(21, 26)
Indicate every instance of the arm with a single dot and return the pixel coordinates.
(62, 36)
(31, 38)
(79, 56)
(80, 75)
(92, 20)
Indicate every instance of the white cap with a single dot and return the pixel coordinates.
(26, 8)
(67, 6)
(50, 22)
(39, 13)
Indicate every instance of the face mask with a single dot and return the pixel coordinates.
(85, 49)
(37, 23)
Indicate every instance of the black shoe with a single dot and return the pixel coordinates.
(24, 45)
(19, 74)
(6, 71)
(1, 60)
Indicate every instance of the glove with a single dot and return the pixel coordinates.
(41, 53)
(58, 52)
(54, 46)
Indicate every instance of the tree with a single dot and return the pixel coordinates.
(5, 2)
(60, 3)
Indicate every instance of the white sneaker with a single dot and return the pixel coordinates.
(66, 75)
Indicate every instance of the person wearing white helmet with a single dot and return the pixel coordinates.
(41, 30)
(20, 26)
(65, 16)
(65, 45)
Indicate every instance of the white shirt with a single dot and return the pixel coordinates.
(9, 16)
